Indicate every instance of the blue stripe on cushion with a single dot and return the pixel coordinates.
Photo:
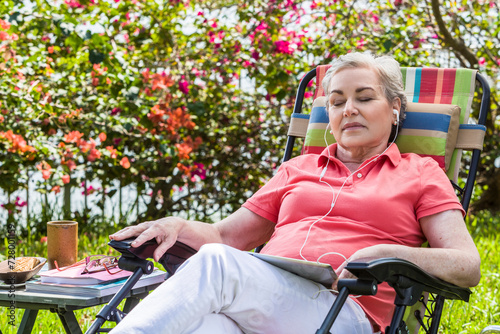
(416, 88)
(300, 115)
(427, 121)
(319, 115)
(473, 127)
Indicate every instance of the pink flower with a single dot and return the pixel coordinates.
(89, 191)
(482, 61)
(360, 44)
(65, 178)
(20, 203)
(199, 171)
(262, 26)
(115, 111)
(417, 43)
(183, 86)
(283, 47)
(73, 4)
(43, 240)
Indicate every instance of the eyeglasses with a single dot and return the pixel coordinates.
(95, 263)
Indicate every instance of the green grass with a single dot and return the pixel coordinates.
(459, 317)
(483, 309)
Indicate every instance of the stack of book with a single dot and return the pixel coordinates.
(98, 284)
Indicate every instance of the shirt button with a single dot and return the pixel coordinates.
(359, 175)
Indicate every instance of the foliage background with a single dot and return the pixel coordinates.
(186, 102)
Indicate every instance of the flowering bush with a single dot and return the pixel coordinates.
(187, 100)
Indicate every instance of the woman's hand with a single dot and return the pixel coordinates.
(242, 230)
(342, 273)
(164, 230)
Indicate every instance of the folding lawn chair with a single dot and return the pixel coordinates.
(136, 261)
(436, 125)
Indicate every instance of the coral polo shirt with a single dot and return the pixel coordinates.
(381, 203)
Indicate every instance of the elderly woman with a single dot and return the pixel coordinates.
(360, 198)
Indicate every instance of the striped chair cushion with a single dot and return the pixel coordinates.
(448, 86)
(429, 130)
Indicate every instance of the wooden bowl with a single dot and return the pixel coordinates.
(16, 277)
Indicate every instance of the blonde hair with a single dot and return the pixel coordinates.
(386, 67)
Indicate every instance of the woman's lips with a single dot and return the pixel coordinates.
(352, 126)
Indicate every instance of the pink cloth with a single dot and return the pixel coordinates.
(381, 203)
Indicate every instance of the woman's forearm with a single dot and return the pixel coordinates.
(451, 265)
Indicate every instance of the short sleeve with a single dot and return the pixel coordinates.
(437, 193)
(266, 202)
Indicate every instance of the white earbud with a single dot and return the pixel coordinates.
(396, 112)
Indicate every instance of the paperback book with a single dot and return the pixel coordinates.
(74, 276)
(93, 290)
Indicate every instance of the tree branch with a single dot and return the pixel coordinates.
(457, 45)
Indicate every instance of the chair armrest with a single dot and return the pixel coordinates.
(171, 260)
(403, 274)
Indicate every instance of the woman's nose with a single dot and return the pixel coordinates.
(350, 109)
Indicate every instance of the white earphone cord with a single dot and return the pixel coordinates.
(334, 198)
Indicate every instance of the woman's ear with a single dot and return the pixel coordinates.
(396, 104)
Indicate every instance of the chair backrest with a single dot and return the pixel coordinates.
(436, 124)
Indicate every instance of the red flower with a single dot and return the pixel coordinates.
(125, 163)
(73, 137)
(113, 151)
(65, 178)
(4, 36)
(5, 25)
(45, 168)
(94, 155)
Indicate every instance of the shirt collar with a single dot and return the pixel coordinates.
(392, 153)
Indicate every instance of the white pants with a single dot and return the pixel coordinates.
(224, 290)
